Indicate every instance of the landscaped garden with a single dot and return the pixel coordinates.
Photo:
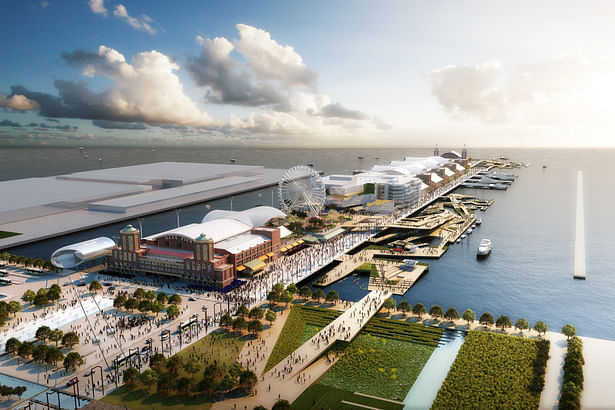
(188, 380)
(324, 397)
(495, 371)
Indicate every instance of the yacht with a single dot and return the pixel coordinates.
(310, 164)
(479, 221)
(544, 166)
(484, 248)
(463, 236)
(233, 160)
(361, 157)
(469, 231)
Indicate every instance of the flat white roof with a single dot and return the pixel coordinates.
(218, 230)
(241, 243)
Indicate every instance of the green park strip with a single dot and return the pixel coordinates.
(320, 396)
(403, 331)
(378, 366)
(495, 371)
(220, 347)
(5, 234)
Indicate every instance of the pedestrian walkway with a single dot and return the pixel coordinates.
(554, 372)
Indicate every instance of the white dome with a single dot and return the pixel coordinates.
(73, 255)
(257, 216)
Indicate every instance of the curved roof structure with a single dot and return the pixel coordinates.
(451, 155)
(217, 229)
(73, 255)
(256, 216)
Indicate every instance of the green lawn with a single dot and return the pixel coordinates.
(319, 397)
(378, 366)
(5, 234)
(221, 346)
(491, 371)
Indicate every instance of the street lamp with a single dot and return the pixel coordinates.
(102, 380)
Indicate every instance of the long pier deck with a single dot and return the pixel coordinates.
(579, 240)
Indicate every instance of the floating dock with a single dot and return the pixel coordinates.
(579, 271)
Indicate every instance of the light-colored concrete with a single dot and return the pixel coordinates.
(579, 239)
(599, 373)
(554, 374)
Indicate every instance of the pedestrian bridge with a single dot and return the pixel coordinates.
(351, 321)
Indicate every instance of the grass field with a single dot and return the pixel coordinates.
(378, 366)
(221, 346)
(5, 234)
(319, 397)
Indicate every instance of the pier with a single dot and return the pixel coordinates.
(579, 239)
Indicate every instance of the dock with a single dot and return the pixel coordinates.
(398, 279)
(579, 271)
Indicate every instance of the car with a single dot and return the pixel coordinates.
(111, 287)
(81, 283)
(87, 374)
(191, 299)
(72, 381)
(398, 250)
(107, 283)
(66, 284)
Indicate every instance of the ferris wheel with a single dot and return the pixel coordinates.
(301, 189)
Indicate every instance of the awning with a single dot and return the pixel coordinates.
(262, 258)
(299, 242)
(255, 265)
(284, 249)
(240, 268)
(270, 254)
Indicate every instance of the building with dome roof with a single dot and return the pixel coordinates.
(210, 253)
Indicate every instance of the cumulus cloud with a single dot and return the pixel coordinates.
(146, 89)
(17, 102)
(495, 92)
(141, 24)
(229, 82)
(337, 110)
(98, 7)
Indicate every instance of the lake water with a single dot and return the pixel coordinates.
(531, 225)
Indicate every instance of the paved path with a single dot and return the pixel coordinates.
(553, 377)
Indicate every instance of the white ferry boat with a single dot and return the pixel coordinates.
(484, 248)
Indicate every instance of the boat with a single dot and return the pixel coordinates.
(233, 160)
(484, 248)
(458, 240)
(361, 157)
(544, 166)
(469, 231)
(473, 226)
(463, 236)
(310, 164)
(479, 221)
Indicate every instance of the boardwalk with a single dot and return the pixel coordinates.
(579, 240)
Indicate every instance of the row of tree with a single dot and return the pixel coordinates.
(468, 315)
(43, 354)
(43, 296)
(27, 261)
(164, 373)
(572, 383)
(7, 308)
(285, 295)
(9, 391)
(149, 301)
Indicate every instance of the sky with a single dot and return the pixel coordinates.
(310, 74)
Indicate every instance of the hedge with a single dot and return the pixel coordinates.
(572, 385)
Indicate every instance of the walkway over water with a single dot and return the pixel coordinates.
(344, 328)
(579, 240)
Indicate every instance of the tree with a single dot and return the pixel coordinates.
(332, 296)
(25, 349)
(404, 306)
(72, 361)
(522, 324)
(52, 295)
(239, 324)
(131, 376)
(242, 311)
(158, 362)
(540, 327)
(172, 311)
(271, 316)
(42, 333)
(469, 316)
(273, 296)
(70, 339)
(149, 377)
(119, 301)
(184, 384)
(486, 319)
(278, 287)
(227, 383)
(13, 307)
(419, 309)
(28, 296)
(286, 298)
(41, 299)
(292, 289)
(19, 390)
(39, 352)
(248, 379)
(157, 307)
(145, 306)
(451, 314)
(255, 326)
(503, 321)
(256, 313)
(305, 292)
(436, 311)
(139, 293)
(131, 304)
(53, 356)
(569, 331)
(164, 382)
(389, 304)
(318, 294)
(174, 363)
(175, 299)
(281, 405)
(226, 321)
(150, 295)
(192, 366)
(95, 286)
(12, 345)
(162, 297)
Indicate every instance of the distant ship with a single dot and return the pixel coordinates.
(484, 248)
(233, 160)
(310, 164)
(361, 157)
(544, 166)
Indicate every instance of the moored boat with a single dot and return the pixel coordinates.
(484, 248)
